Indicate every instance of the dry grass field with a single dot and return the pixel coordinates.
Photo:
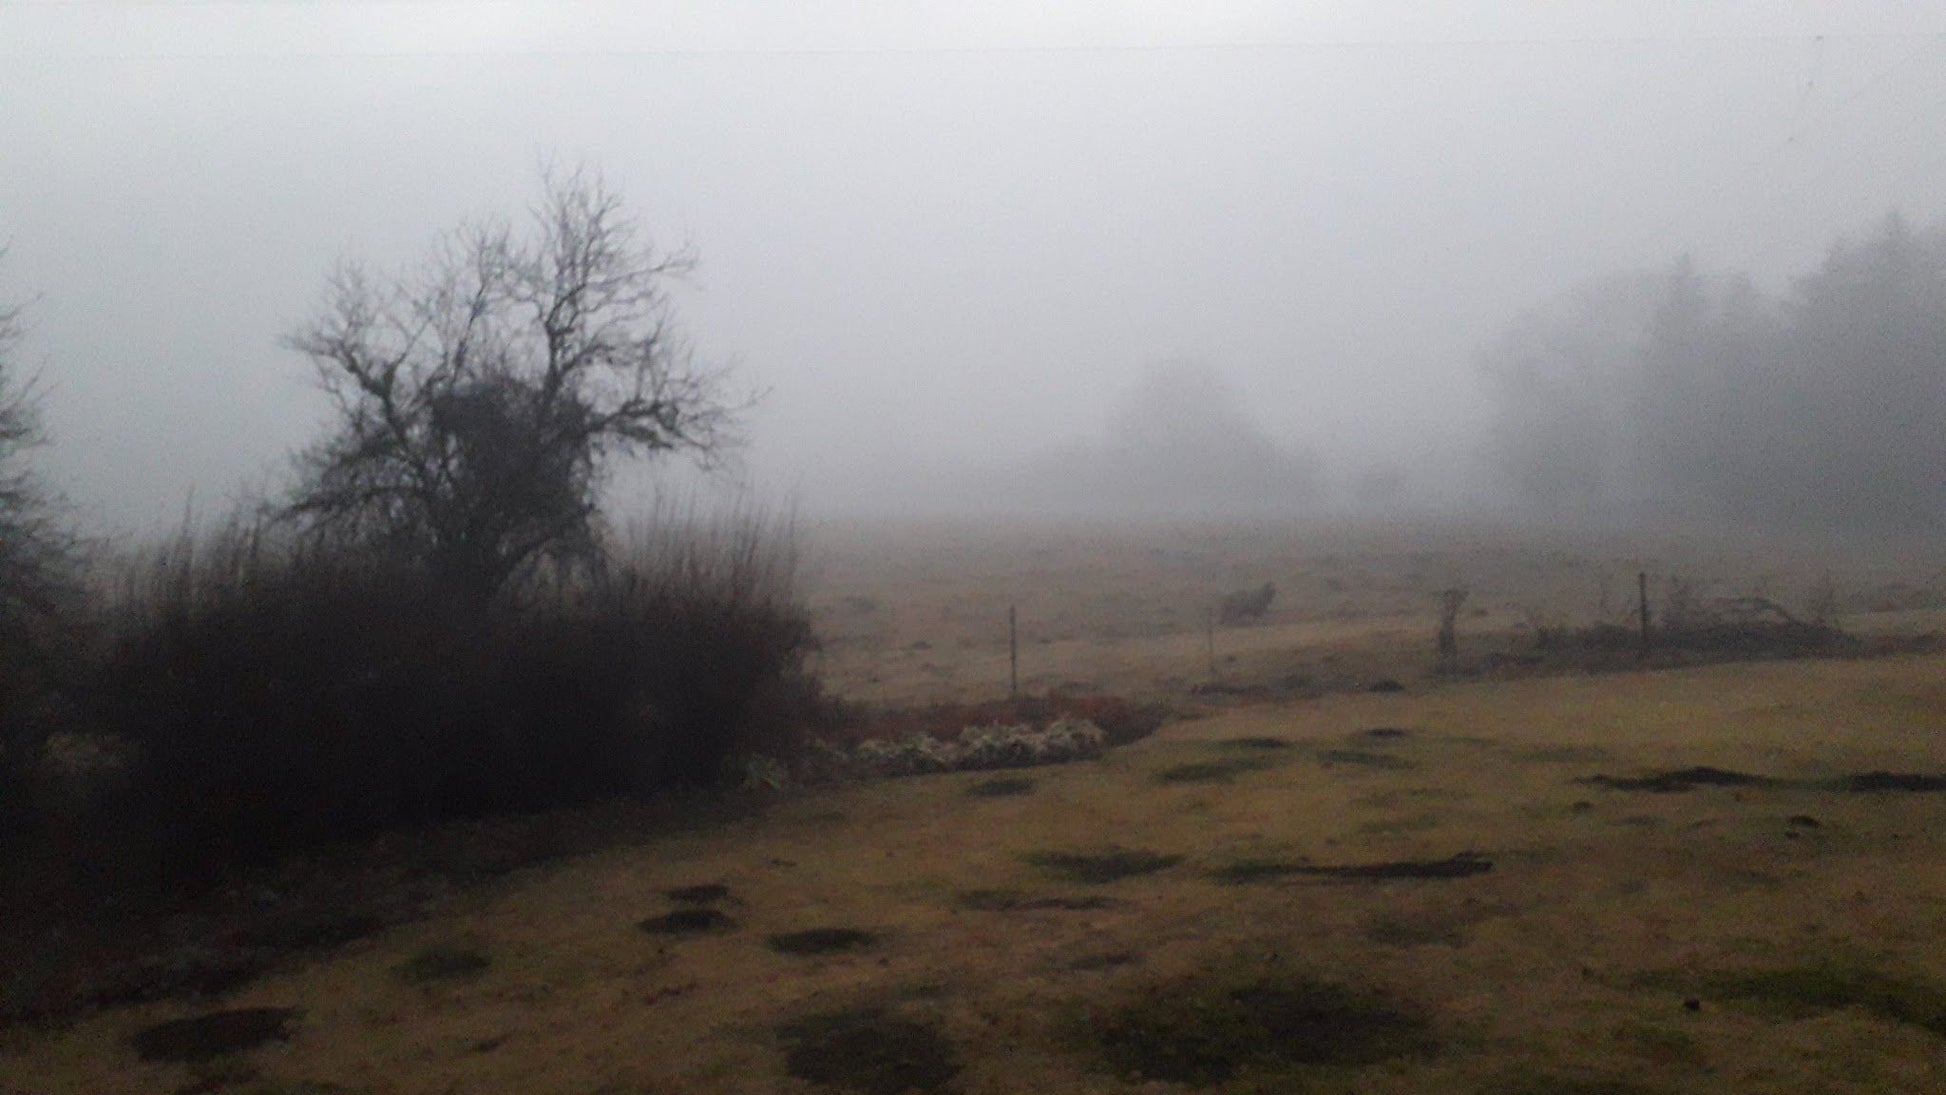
(917, 613)
(1713, 879)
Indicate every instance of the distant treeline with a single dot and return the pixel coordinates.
(1689, 395)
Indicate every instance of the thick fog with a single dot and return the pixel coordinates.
(1178, 258)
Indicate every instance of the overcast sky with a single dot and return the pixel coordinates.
(939, 235)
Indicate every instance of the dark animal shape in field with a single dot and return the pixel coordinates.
(1386, 685)
(1245, 604)
(213, 1035)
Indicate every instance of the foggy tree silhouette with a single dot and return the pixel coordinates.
(481, 398)
(1687, 394)
(36, 548)
(38, 586)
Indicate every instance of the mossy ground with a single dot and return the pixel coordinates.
(1247, 1014)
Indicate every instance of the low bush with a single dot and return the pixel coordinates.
(278, 696)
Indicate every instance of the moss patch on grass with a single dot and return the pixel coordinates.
(1535, 1083)
(1099, 868)
(1663, 1045)
(1384, 733)
(1207, 1028)
(442, 962)
(1364, 758)
(870, 1051)
(1803, 991)
(1206, 771)
(1562, 754)
(1021, 901)
(1870, 782)
(822, 941)
(1407, 932)
(697, 921)
(1258, 743)
(208, 1036)
(1462, 865)
(1423, 821)
(1684, 779)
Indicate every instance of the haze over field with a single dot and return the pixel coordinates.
(1229, 259)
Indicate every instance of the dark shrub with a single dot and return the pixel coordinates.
(280, 696)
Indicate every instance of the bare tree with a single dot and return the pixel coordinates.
(482, 398)
(36, 547)
(37, 584)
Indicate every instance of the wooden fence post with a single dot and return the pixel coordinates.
(1013, 653)
(1642, 593)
